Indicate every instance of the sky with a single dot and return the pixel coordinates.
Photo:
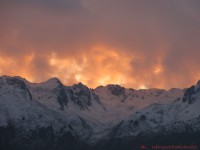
(133, 43)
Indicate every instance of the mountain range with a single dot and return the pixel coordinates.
(50, 115)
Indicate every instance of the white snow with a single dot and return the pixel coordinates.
(160, 107)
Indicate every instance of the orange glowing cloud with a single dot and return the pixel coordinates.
(144, 45)
(100, 66)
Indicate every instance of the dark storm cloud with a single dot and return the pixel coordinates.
(155, 43)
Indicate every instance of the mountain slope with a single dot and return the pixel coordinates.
(177, 122)
(54, 116)
(23, 119)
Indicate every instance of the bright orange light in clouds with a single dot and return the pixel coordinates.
(145, 45)
(157, 69)
(100, 66)
(10, 66)
(142, 87)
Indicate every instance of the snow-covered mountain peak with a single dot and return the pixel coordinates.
(82, 96)
(198, 86)
(116, 90)
(54, 79)
(50, 93)
(52, 83)
(115, 94)
(13, 83)
(55, 95)
(80, 86)
(95, 114)
(198, 82)
(192, 94)
(11, 80)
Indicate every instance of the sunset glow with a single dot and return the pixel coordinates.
(94, 43)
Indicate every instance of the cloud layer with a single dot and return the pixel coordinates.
(136, 44)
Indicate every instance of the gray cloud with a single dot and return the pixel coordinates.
(149, 34)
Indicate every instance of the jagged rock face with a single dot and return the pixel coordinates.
(60, 92)
(191, 94)
(81, 95)
(116, 90)
(15, 85)
(62, 97)
(15, 82)
(51, 91)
